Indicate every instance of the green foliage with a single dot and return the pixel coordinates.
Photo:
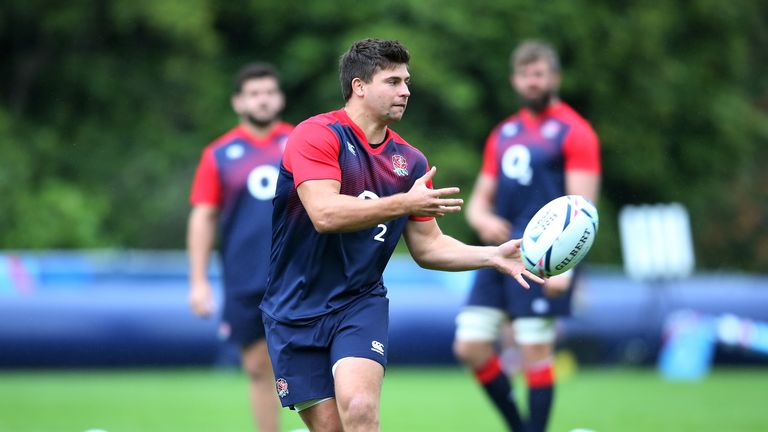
(104, 108)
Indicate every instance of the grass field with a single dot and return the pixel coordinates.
(414, 399)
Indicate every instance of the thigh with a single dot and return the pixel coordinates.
(300, 361)
(255, 358)
(358, 378)
(322, 417)
(479, 324)
(535, 331)
(362, 331)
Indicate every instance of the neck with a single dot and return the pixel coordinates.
(258, 130)
(554, 101)
(374, 129)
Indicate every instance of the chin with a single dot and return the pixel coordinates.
(396, 115)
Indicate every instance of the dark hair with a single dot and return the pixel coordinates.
(533, 50)
(253, 71)
(366, 57)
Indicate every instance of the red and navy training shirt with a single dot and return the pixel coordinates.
(238, 174)
(529, 156)
(313, 274)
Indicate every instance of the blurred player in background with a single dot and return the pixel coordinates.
(544, 151)
(232, 192)
(349, 187)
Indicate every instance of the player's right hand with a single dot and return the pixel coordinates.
(201, 299)
(422, 200)
(510, 261)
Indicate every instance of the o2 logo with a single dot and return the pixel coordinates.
(372, 195)
(262, 182)
(516, 164)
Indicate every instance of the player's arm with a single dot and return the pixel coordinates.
(331, 211)
(491, 229)
(201, 235)
(201, 232)
(432, 249)
(582, 177)
(582, 182)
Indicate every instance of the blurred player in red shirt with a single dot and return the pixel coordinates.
(232, 194)
(544, 151)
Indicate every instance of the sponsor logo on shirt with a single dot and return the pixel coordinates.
(509, 129)
(550, 129)
(400, 165)
(351, 148)
(235, 151)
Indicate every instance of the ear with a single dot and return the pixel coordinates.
(282, 101)
(235, 101)
(358, 87)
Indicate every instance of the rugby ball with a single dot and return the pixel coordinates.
(559, 235)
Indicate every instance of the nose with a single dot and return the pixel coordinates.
(404, 90)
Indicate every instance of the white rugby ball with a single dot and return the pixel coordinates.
(559, 235)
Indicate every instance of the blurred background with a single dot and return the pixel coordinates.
(105, 107)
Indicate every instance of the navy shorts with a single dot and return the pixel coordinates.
(241, 319)
(303, 354)
(498, 291)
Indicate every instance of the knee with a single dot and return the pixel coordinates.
(472, 354)
(360, 410)
(462, 351)
(258, 369)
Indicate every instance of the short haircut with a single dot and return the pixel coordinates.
(366, 57)
(533, 50)
(253, 71)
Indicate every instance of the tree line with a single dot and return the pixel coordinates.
(105, 106)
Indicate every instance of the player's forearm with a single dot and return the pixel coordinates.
(344, 213)
(201, 233)
(448, 254)
(477, 213)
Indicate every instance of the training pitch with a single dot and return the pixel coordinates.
(413, 399)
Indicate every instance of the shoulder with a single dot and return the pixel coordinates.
(576, 121)
(284, 128)
(507, 126)
(319, 124)
(224, 139)
(403, 144)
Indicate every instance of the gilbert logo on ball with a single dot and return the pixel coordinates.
(559, 235)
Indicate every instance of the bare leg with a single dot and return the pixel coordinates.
(358, 390)
(264, 402)
(323, 417)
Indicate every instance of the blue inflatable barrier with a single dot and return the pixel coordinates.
(126, 309)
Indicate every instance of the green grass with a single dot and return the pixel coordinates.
(414, 399)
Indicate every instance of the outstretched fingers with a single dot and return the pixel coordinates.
(521, 280)
(428, 175)
(445, 191)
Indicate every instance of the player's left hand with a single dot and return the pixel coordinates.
(510, 261)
